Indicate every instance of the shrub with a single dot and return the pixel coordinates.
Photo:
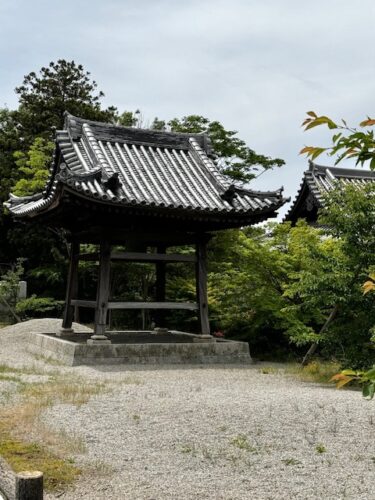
(37, 307)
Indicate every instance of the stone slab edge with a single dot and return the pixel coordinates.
(72, 354)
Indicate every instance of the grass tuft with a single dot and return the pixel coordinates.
(59, 390)
(242, 443)
(22, 456)
(20, 422)
(290, 461)
(320, 448)
(316, 371)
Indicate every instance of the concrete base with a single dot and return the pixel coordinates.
(204, 338)
(65, 332)
(98, 340)
(72, 352)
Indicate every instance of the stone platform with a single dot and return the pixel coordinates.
(143, 347)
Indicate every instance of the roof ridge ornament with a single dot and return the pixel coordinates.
(66, 174)
(232, 190)
(109, 177)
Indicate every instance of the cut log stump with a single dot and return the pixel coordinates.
(29, 485)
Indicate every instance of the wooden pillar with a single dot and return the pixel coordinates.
(160, 287)
(102, 294)
(71, 286)
(201, 285)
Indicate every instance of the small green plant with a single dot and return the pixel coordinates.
(188, 448)
(242, 443)
(136, 418)
(320, 448)
(290, 461)
(266, 370)
(223, 428)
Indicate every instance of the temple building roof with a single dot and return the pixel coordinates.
(316, 183)
(145, 172)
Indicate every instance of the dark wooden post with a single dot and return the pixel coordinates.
(29, 485)
(71, 287)
(201, 285)
(160, 287)
(102, 294)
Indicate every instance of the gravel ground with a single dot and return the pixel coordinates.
(211, 433)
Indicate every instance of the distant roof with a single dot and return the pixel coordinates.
(317, 181)
(145, 169)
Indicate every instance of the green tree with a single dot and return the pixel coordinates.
(34, 166)
(331, 284)
(25, 156)
(61, 86)
(301, 282)
(9, 142)
(236, 159)
(9, 289)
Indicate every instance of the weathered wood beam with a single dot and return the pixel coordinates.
(201, 285)
(84, 303)
(191, 306)
(160, 285)
(148, 237)
(103, 288)
(72, 285)
(153, 257)
(142, 257)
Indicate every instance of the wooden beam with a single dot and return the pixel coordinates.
(149, 237)
(191, 306)
(142, 257)
(161, 268)
(201, 286)
(153, 257)
(72, 285)
(103, 288)
(84, 303)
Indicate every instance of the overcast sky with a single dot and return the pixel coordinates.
(257, 66)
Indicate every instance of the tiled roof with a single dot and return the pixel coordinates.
(135, 167)
(318, 181)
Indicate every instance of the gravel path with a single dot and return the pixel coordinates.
(211, 433)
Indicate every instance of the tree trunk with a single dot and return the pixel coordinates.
(314, 346)
(11, 310)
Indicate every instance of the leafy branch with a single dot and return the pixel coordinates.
(347, 142)
(364, 378)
